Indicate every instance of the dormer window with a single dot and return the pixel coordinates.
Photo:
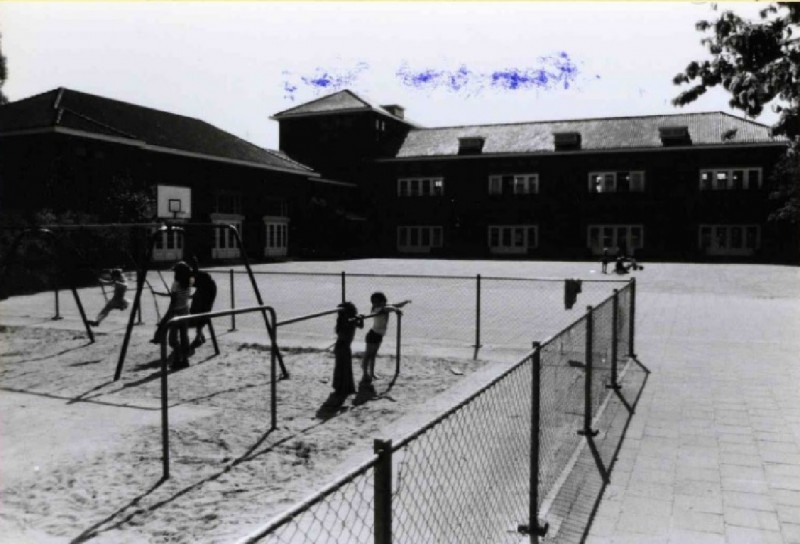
(471, 146)
(677, 135)
(567, 141)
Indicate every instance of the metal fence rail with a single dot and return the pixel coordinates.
(490, 467)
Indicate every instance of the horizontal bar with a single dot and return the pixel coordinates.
(221, 313)
(305, 317)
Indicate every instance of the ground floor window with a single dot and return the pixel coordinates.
(276, 236)
(224, 241)
(729, 239)
(506, 239)
(418, 239)
(168, 246)
(626, 238)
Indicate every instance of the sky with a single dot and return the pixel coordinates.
(234, 64)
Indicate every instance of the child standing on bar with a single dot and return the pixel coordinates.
(374, 337)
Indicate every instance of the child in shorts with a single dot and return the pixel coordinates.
(376, 333)
(118, 301)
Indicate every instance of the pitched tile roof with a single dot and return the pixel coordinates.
(338, 102)
(148, 127)
(713, 128)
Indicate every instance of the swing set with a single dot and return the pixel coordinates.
(158, 229)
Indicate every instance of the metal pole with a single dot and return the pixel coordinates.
(631, 351)
(164, 408)
(587, 410)
(233, 300)
(533, 508)
(273, 355)
(397, 347)
(58, 309)
(383, 491)
(478, 312)
(344, 287)
(614, 339)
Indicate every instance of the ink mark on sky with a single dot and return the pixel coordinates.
(547, 73)
(553, 72)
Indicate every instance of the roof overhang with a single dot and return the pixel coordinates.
(333, 182)
(141, 144)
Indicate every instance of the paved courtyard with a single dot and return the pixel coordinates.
(712, 454)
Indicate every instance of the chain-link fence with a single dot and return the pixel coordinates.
(490, 467)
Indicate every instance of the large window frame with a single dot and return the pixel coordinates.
(513, 239)
(419, 238)
(416, 187)
(719, 239)
(628, 238)
(633, 181)
(730, 179)
(515, 184)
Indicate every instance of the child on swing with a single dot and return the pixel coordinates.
(118, 301)
(179, 294)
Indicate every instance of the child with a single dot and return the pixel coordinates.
(346, 322)
(604, 260)
(179, 294)
(375, 335)
(205, 292)
(118, 301)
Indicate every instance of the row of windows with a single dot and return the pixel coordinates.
(623, 181)
(628, 238)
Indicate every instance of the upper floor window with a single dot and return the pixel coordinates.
(730, 179)
(228, 202)
(617, 182)
(420, 187)
(515, 184)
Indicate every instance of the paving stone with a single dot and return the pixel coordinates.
(698, 474)
(756, 519)
(785, 496)
(695, 537)
(745, 486)
(692, 520)
(748, 535)
(791, 533)
(708, 504)
(788, 514)
(751, 501)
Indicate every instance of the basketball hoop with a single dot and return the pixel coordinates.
(175, 207)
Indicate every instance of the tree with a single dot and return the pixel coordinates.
(758, 63)
(3, 75)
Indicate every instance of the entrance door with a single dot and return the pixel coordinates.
(276, 236)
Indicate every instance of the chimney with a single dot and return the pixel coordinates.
(674, 135)
(394, 109)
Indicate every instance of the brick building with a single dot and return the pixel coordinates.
(682, 187)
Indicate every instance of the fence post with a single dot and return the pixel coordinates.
(614, 338)
(164, 408)
(399, 340)
(478, 312)
(273, 355)
(233, 300)
(631, 351)
(383, 491)
(587, 409)
(58, 307)
(344, 287)
(535, 530)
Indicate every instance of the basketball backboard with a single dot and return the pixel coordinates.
(174, 202)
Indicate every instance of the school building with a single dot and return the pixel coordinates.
(64, 150)
(679, 187)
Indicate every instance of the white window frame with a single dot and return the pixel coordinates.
(610, 181)
(715, 185)
(613, 237)
(405, 233)
(224, 246)
(509, 241)
(529, 183)
(720, 239)
(425, 186)
(276, 236)
(169, 246)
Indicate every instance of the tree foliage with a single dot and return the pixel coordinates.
(758, 63)
(3, 74)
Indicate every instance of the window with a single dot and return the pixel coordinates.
(729, 239)
(276, 231)
(420, 187)
(730, 179)
(513, 238)
(228, 202)
(418, 239)
(628, 238)
(515, 184)
(616, 182)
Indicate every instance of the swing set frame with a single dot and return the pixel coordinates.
(49, 232)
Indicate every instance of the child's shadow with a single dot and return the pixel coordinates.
(333, 406)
